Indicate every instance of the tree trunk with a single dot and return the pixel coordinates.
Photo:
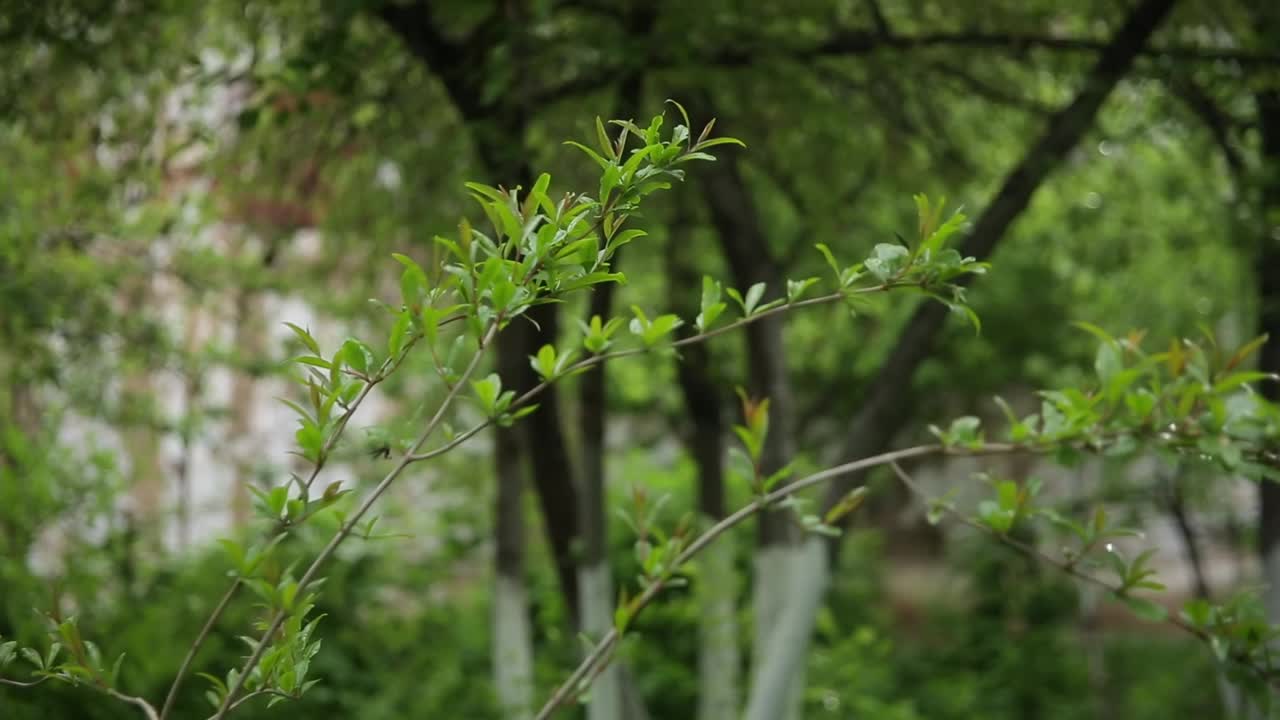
(595, 581)
(1268, 269)
(885, 411)
(719, 656)
(733, 214)
(512, 653)
(497, 129)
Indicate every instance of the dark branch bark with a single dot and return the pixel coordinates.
(989, 91)
(1216, 121)
(864, 42)
(885, 409)
(1177, 504)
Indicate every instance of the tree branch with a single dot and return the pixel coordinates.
(863, 42)
(347, 527)
(884, 411)
(1071, 568)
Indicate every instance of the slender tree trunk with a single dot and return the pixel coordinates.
(613, 695)
(1268, 271)
(884, 411)
(595, 581)
(512, 653)
(497, 129)
(498, 134)
(719, 655)
(1267, 101)
(737, 225)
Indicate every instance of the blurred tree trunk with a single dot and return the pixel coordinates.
(734, 217)
(613, 694)
(498, 132)
(512, 652)
(719, 656)
(497, 129)
(1267, 100)
(885, 409)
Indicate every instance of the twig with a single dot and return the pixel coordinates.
(388, 367)
(347, 527)
(185, 667)
(1070, 568)
(146, 707)
(594, 360)
(610, 639)
(22, 683)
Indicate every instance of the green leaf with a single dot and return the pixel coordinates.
(395, 341)
(604, 164)
(887, 261)
(32, 657)
(713, 142)
(487, 392)
(544, 363)
(934, 242)
(711, 305)
(357, 355)
(305, 336)
(603, 138)
(831, 261)
(1103, 336)
(1109, 361)
(754, 294)
(796, 288)
(1247, 377)
(1144, 608)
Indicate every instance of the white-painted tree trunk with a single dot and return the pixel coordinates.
(778, 670)
(512, 649)
(719, 657)
(595, 591)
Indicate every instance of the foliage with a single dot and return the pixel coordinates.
(340, 118)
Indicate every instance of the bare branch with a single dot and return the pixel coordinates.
(863, 42)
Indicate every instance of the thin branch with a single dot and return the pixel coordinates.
(1216, 120)
(190, 657)
(256, 694)
(145, 706)
(989, 91)
(1069, 567)
(389, 365)
(863, 42)
(605, 646)
(347, 527)
(22, 683)
(594, 360)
